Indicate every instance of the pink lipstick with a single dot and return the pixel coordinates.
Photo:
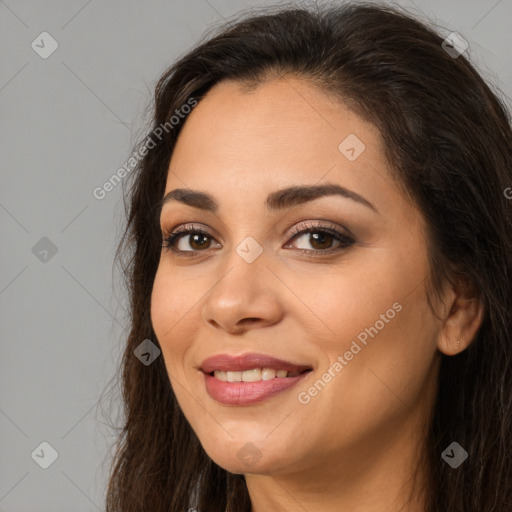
(250, 378)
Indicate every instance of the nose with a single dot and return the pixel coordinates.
(244, 296)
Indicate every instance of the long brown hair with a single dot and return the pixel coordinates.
(448, 139)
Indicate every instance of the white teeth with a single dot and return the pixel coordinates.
(221, 375)
(253, 375)
(268, 373)
(234, 376)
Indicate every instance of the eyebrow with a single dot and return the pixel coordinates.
(278, 200)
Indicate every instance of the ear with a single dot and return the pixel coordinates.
(462, 319)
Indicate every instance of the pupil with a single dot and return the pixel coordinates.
(322, 238)
(195, 237)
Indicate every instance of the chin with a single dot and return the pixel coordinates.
(232, 464)
(242, 457)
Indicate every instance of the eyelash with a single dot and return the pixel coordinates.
(171, 238)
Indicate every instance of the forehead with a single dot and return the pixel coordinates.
(283, 132)
(280, 115)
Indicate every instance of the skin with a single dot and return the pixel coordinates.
(355, 445)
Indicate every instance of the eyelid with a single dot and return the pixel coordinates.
(189, 228)
(298, 228)
(320, 224)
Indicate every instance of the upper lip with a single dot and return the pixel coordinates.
(228, 363)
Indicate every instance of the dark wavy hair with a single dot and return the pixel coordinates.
(447, 136)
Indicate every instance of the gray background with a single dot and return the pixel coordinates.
(68, 122)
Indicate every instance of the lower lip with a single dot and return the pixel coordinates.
(247, 393)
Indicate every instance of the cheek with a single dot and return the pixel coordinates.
(171, 306)
(377, 342)
(172, 316)
(387, 358)
(339, 303)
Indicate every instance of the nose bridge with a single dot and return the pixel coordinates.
(247, 235)
(250, 250)
(245, 263)
(246, 252)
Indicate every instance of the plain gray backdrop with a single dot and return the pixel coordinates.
(69, 119)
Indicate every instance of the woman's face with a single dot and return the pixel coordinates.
(350, 309)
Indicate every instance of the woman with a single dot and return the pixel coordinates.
(319, 241)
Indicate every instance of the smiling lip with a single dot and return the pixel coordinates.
(247, 393)
(227, 363)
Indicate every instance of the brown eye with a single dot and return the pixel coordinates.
(194, 240)
(318, 240)
(321, 240)
(197, 241)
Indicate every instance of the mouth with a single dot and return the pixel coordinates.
(250, 378)
(250, 362)
(254, 374)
